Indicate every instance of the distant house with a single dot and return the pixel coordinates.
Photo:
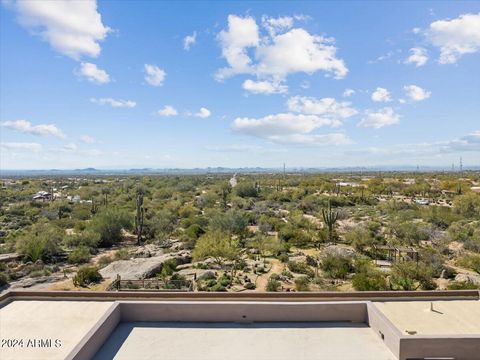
(422, 201)
(76, 199)
(42, 195)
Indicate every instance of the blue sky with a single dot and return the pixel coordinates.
(124, 84)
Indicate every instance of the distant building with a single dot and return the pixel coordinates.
(42, 195)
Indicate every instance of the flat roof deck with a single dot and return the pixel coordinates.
(30, 321)
(234, 341)
(447, 318)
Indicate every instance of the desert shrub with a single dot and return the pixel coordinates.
(122, 254)
(283, 257)
(194, 231)
(109, 225)
(246, 190)
(87, 275)
(368, 278)
(440, 216)
(86, 238)
(467, 205)
(41, 242)
(273, 284)
(104, 261)
(232, 222)
(461, 285)
(216, 245)
(361, 238)
(3, 279)
(300, 268)
(79, 255)
(471, 261)
(168, 268)
(302, 283)
(294, 236)
(410, 275)
(410, 232)
(177, 282)
(336, 266)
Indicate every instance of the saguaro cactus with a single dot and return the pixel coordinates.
(139, 218)
(330, 217)
(93, 208)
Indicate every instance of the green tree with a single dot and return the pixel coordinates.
(410, 275)
(79, 255)
(230, 222)
(368, 278)
(468, 205)
(87, 275)
(41, 242)
(336, 266)
(246, 190)
(109, 225)
(216, 245)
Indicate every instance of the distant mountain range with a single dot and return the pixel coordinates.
(224, 170)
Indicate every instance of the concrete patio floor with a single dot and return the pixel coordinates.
(234, 341)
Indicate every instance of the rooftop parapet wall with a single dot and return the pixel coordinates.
(254, 296)
(244, 311)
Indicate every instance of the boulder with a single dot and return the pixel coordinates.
(142, 268)
(342, 250)
(201, 274)
(147, 251)
(469, 278)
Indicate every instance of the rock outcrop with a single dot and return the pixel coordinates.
(143, 267)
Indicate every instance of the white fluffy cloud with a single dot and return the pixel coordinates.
(242, 34)
(274, 55)
(73, 28)
(189, 40)
(348, 92)
(418, 56)
(203, 113)
(25, 126)
(307, 114)
(283, 124)
(379, 118)
(264, 87)
(114, 103)
(327, 107)
(87, 139)
(455, 37)
(276, 25)
(416, 93)
(168, 110)
(381, 95)
(93, 73)
(154, 75)
(23, 146)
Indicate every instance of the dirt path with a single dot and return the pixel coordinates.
(276, 267)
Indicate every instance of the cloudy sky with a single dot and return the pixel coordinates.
(124, 84)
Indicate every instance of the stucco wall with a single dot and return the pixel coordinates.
(243, 311)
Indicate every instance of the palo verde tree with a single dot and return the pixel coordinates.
(330, 217)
